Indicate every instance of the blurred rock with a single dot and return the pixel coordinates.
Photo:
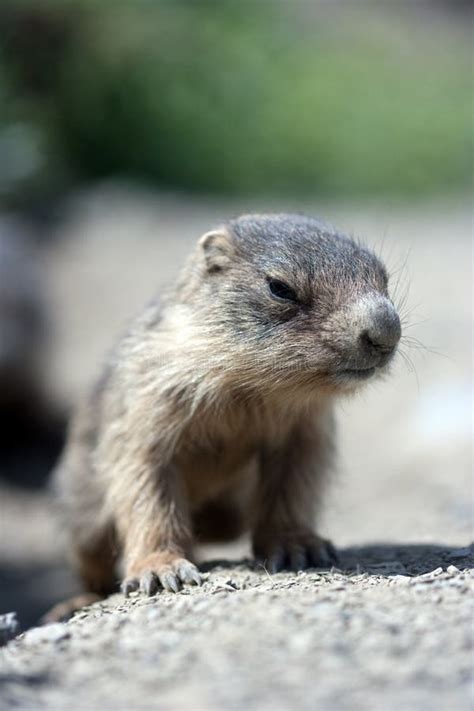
(30, 428)
(21, 313)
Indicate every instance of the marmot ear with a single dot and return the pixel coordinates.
(218, 249)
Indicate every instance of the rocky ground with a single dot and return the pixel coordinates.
(385, 633)
(391, 627)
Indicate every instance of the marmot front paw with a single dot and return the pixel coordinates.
(294, 551)
(160, 569)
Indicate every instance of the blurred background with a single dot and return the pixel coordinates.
(129, 128)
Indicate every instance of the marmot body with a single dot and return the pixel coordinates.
(215, 412)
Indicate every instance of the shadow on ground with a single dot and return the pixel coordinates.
(381, 558)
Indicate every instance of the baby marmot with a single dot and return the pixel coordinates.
(214, 414)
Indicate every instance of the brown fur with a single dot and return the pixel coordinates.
(217, 408)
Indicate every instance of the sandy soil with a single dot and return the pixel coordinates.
(374, 634)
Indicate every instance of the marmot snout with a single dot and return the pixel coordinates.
(367, 331)
(217, 405)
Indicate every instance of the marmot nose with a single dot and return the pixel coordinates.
(383, 333)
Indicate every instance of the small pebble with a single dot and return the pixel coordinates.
(9, 627)
(223, 588)
(48, 633)
(430, 575)
(452, 569)
(404, 579)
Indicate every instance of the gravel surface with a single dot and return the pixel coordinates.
(382, 632)
(391, 628)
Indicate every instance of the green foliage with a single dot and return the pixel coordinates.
(242, 97)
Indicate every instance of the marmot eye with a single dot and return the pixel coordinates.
(282, 291)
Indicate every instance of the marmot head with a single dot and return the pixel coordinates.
(291, 301)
